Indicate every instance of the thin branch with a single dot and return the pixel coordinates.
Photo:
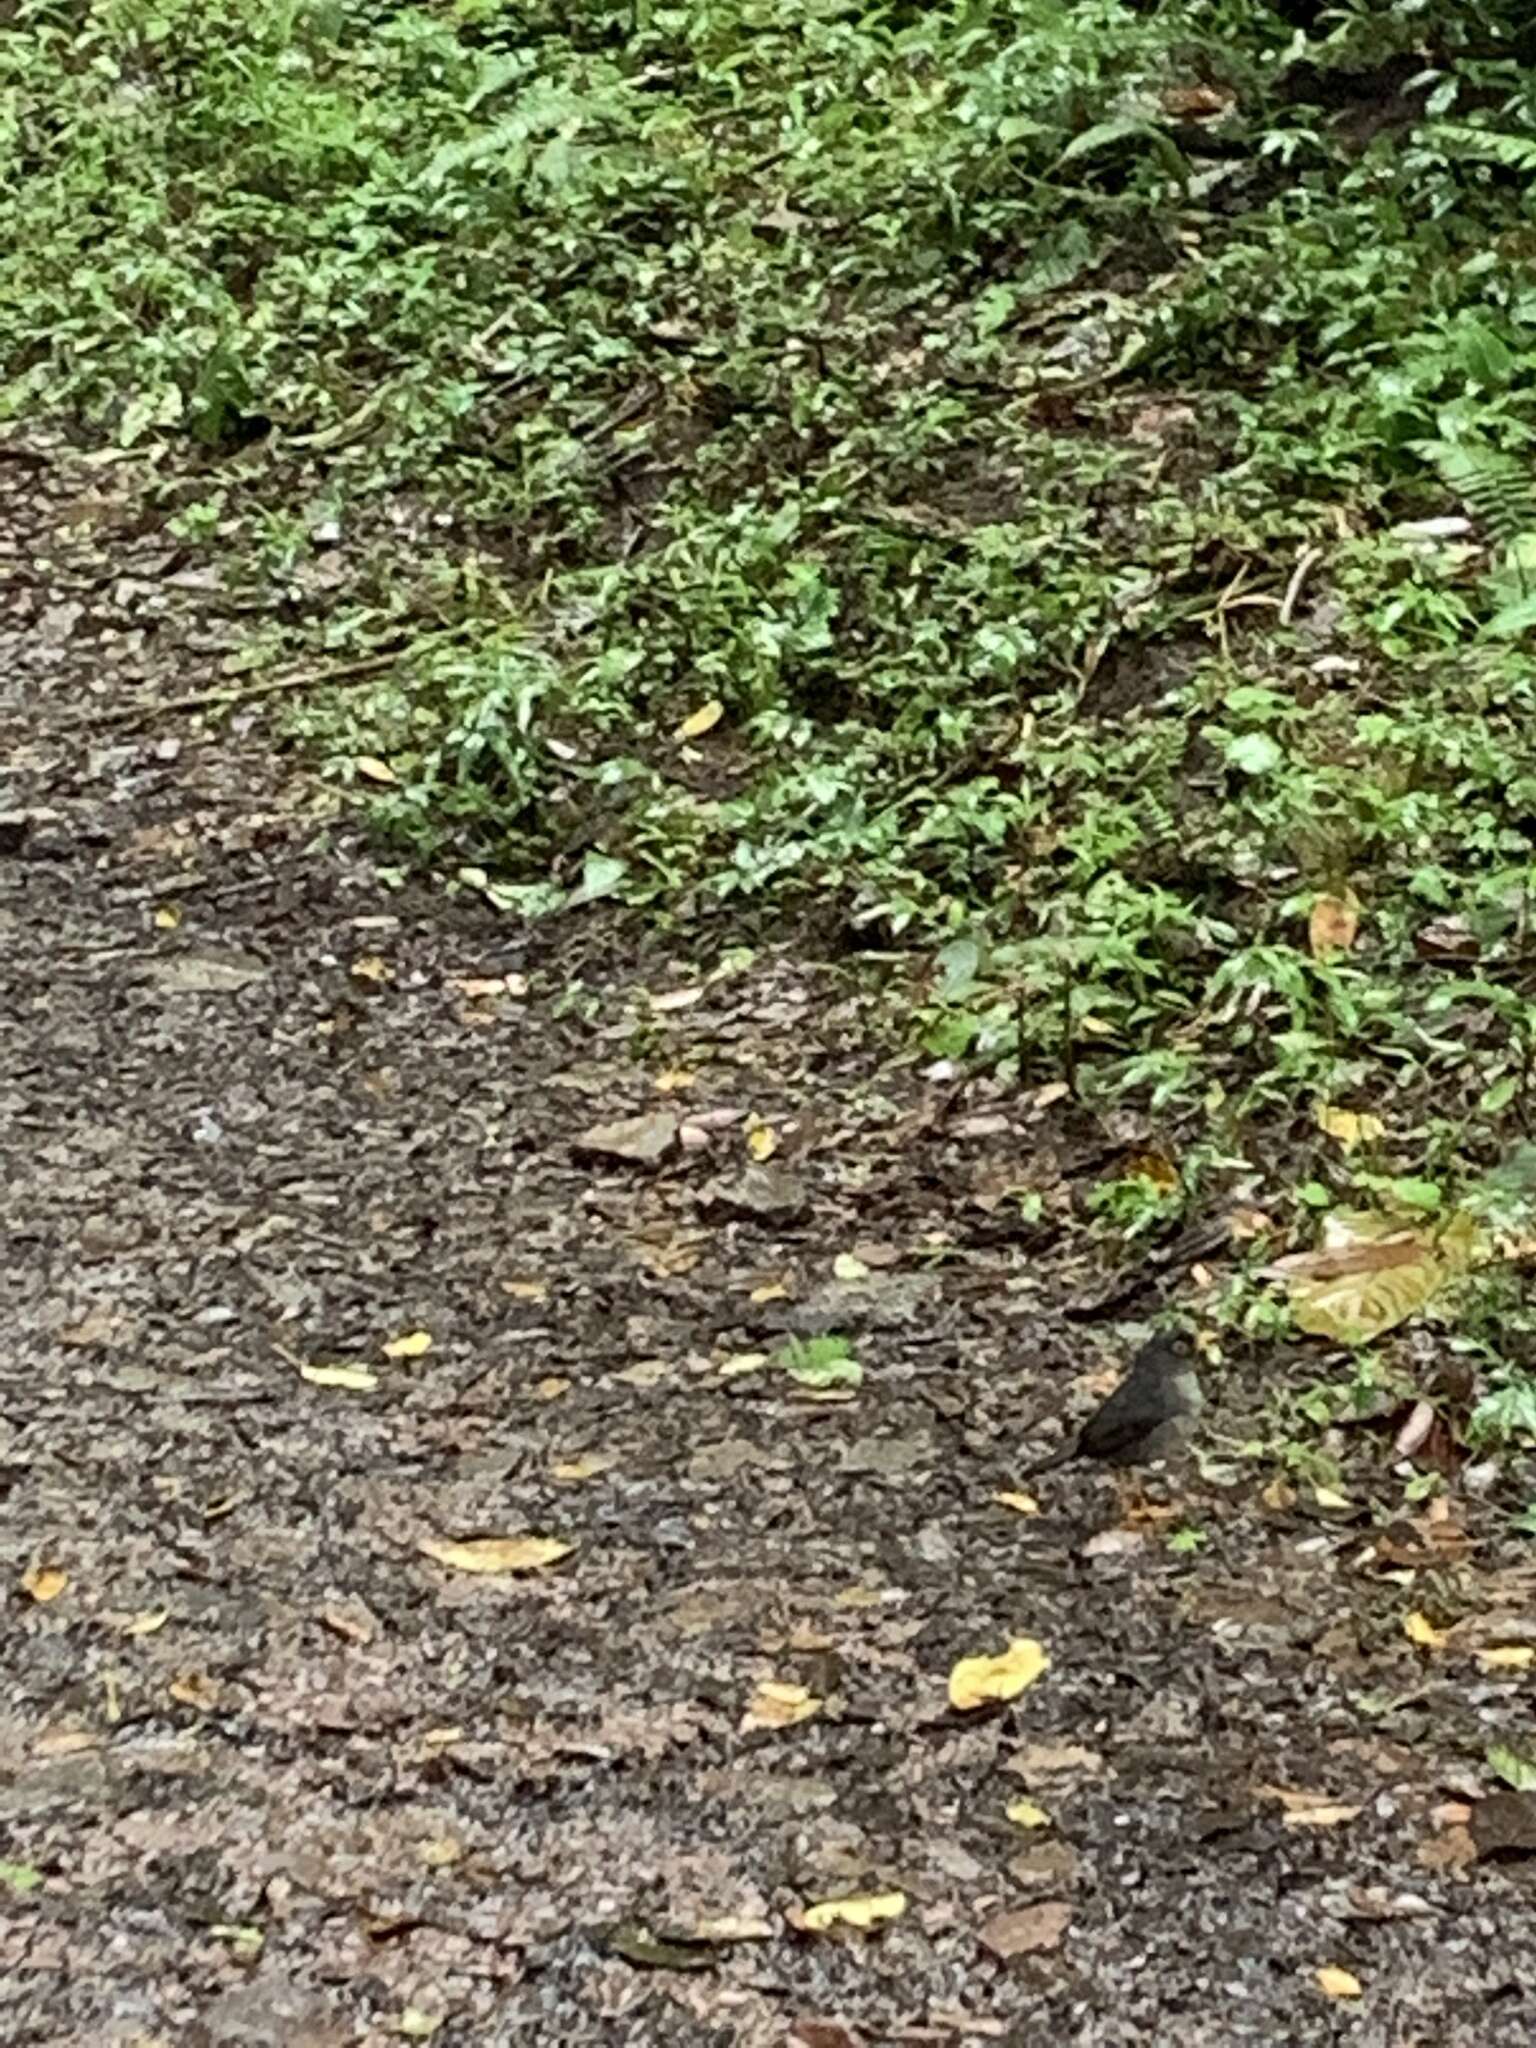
(221, 699)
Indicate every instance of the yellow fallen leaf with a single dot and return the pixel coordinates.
(370, 967)
(1372, 1272)
(357, 1379)
(978, 1681)
(551, 1388)
(673, 1080)
(742, 1361)
(1333, 925)
(442, 1852)
(498, 1553)
(1350, 1127)
(1025, 1814)
(1510, 1657)
(168, 917)
(1418, 1628)
(147, 1621)
(762, 1142)
(1303, 1811)
(1330, 1497)
(417, 2025)
(414, 1344)
(526, 1290)
(866, 1910)
(775, 1704)
(848, 1266)
(1338, 1983)
(699, 722)
(372, 769)
(479, 988)
(44, 1582)
(770, 1290)
(1021, 1503)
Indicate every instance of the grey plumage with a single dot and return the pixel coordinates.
(1149, 1414)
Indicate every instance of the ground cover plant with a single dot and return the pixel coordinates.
(1039, 493)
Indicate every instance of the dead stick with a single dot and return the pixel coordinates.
(207, 700)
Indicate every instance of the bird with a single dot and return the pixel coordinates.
(1147, 1417)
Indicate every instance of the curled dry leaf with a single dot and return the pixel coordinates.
(1338, 1983)
(1372, 1272)
(1025, 1814)
(1418, 1628)
(146, 1623)
(44, 1582)
(699, 722)
(1020, 1503)
(776, 1704)
(372, 769)
(980, 1681)
(1333, 925)
(865, 1910)
(355, 1379)
(498, 1553)
(414, 1344)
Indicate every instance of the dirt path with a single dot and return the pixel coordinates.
(273, 1775)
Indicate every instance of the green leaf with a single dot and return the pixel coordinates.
(601, 874)
(958, 964)
(1515, 1769)
(21, 1877)
(1255, 753)
(821, 1362)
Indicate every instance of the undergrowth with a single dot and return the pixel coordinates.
(1045, 485)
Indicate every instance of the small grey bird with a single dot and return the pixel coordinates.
(1149, 1414)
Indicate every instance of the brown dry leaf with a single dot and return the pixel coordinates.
(371, 967)
(478, 988)
(732, 1927)
(414, 1344)
(526, 1290)
(1350, 1127)
(1021, 1503)
(99, 1327)
(980, 1681)
(864, 1910)
(1310, 1809)
(1155, 1167)
(196, 1689)
(1030, 1931)
(1333, 925)
(699, 722)
(550, 1388)
(498, 1553)
(1338, 1983)
(1372, 1272)
(642, 1140)
(356, 1379)
(1025, 1814)
(55, 1742)
(587, 1467)
(1418, 1628)
(372, 769)
(776, 1704)
(44, 1582)
(147, 1622)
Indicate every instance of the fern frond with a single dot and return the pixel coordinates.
(1498, 489)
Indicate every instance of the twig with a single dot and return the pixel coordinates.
(1306, 563)
(269, 686)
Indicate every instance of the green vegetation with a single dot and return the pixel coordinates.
(1021, 419)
